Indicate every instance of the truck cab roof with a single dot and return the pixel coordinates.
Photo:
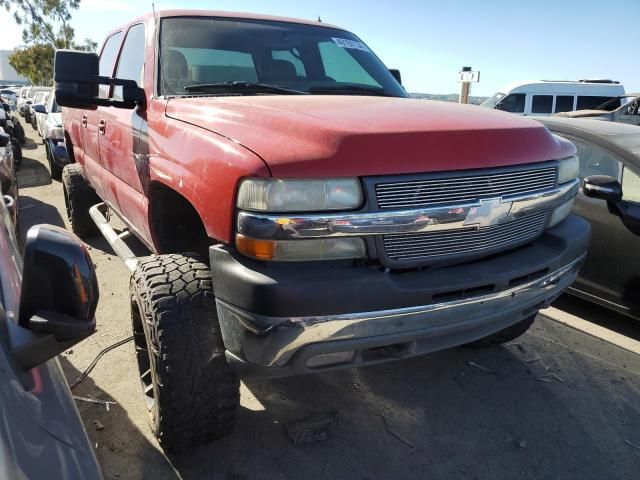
(224, 14)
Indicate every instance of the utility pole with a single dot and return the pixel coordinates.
(466, 76)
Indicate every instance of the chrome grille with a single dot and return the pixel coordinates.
(469, 188)
(432, 246)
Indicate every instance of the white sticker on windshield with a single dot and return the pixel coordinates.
(353, 44)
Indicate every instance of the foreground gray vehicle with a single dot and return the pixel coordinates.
(47, 304)
(611, 273)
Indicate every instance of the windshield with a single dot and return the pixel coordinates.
(307, 58)
(493, 101)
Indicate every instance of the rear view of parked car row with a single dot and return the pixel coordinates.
(347, 248)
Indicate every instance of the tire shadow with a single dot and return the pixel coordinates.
(30, 144)
(32, 211)
(453, 414)
(117, 441)
(32, 173)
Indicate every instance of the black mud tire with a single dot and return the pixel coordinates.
(191, 393)
(503, 336)
(20, 135)
(54, 169)
(17, 152)
(79, 197)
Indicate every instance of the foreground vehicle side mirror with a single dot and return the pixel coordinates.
(396, 74)
(609, 189)
(77, 81)
(602, 187)
(4, 139)
(59, 296)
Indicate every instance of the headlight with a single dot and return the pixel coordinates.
(568, 169)
(56, 133)
(272, 195)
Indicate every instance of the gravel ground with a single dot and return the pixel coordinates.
(555, 404)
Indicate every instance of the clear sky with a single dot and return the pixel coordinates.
(429, 40)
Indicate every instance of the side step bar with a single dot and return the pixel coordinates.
(99, 215)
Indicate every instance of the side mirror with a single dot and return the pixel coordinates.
(607, 188)
(602, 187)
(4, 139)
(396, 74)
(75, 77)
(77, 81)
(59, 295)
(39, 108)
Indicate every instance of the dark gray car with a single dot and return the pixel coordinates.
(47, 304)
(611, 274)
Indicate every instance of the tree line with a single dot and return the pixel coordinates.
(46, 28)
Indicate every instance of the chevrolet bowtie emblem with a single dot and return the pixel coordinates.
(490, 212)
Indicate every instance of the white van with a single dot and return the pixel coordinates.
(545, 97)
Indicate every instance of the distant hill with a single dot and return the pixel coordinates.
(451, 97)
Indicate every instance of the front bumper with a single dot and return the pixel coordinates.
(280, 320)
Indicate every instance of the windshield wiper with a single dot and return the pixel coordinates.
(242, 87)
(349, 89)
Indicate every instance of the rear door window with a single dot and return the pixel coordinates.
(131, 62)
(541, 104)
(107, 59)
(513, 103)
(591, 103)
(564, 103)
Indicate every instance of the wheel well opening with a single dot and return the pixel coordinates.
(69, 145)
(175, 224)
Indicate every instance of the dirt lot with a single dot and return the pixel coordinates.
(556, 404)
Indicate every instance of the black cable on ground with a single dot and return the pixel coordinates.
(92, 365)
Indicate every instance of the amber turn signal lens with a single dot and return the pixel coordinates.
(260, 249)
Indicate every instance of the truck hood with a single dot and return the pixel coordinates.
(326, 136)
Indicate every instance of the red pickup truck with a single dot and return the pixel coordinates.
(303, 213)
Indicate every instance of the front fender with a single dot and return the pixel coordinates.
(204, 168)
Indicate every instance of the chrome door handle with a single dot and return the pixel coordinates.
(102, 127)
(84, 121)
